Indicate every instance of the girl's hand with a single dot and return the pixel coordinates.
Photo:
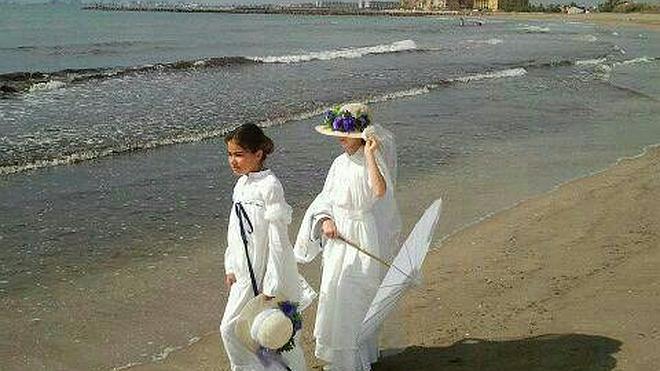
(329, 228)
(230, 279)
(371, 146)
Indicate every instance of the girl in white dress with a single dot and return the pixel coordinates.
(259, 257)
(356, 205)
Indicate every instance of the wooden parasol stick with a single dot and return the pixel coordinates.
(381, 261)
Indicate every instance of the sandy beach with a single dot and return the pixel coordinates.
(115, 191)
(563, 281)
(650, 21)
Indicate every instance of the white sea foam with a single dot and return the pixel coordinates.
(534, 29)
(587, 38)
(46, 86)
(590, 62)
(513, 72)
(126, 366)
(196, 137)
(94, 154)
(492, 41)
(394, 47)
(402, 94)
(619, 49)
(605, 70)
(634, 61)
(164, 353)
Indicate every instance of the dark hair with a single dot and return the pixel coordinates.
(252, 138)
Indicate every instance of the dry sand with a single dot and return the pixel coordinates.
(567, 280)
(649, 21)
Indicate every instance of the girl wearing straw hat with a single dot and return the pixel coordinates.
(354, 221)
(259, 260)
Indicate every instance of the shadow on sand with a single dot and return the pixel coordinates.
(546, 352)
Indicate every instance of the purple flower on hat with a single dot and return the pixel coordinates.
(345, 120)
(337, 123)
(329, 115)
(288, 308)
(348, 124)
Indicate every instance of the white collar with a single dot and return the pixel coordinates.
(258, 174)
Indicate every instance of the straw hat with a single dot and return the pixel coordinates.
(358, 116)
(262, 323)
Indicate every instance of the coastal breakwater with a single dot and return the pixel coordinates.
(270, 10)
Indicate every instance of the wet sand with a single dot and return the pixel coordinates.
(566, 280)
(563, 281)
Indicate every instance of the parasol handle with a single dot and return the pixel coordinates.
(365, 252)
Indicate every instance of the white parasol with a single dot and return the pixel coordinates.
(405, 271)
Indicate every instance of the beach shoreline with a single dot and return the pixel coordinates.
(645, 20)
(569, 272)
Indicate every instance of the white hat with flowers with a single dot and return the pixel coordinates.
(348, 120)
(268, 325)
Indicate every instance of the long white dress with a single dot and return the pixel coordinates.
(262, 197)
(350, 278)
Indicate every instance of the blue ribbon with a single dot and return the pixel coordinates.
(244, 219)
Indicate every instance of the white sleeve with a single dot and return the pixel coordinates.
(230, 253)
(280, 268)
(230, 266)
(308, 242)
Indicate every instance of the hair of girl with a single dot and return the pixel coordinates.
(251, 138)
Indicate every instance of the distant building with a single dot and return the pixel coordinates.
(424, 4)
(381, 5)
(338, 4)
(574, 10)
(486, 4)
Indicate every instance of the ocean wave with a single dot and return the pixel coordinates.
(406, 93)
(25, 81)
(590, 62)
(534, 29)
(49, 85)
(513, 72)
(395, 47)
(105, 152)
(635, 61)
(28, 81)
(604, 69)
(587, 38)
(214, 133)
(402, 94)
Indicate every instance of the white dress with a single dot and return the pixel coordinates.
(262, 197)
(350, 278)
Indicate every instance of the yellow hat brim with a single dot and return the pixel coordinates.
(327, 131)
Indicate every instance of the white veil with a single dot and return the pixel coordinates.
(389, 226)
